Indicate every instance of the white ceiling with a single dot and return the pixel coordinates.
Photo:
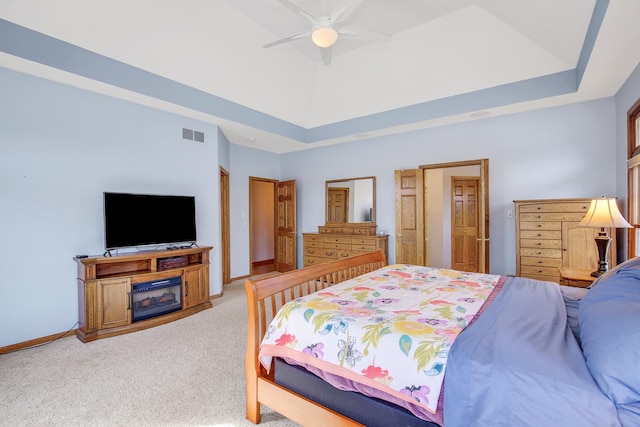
(445, 61)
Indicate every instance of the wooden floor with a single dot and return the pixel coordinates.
(262, 267)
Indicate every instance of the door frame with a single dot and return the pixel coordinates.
(483, 206)
(253, 179)
(225, 227)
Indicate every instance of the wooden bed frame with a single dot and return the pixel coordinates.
(264, 299)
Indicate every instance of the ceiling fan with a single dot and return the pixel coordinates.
(326, 29)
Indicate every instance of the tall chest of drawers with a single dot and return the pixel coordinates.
(547, 237)
(332, 243)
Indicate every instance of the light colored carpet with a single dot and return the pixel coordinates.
(186, 373)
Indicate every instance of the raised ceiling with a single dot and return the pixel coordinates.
(445, 62)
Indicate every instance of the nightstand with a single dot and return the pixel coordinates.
(578, 277)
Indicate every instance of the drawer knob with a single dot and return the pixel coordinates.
(539, 235)
(539, 225)
(539, 244)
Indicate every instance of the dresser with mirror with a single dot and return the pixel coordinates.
(350, 223)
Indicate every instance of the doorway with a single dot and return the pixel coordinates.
(424, 214)
(225, 226)
(272, 225)
(262, 225)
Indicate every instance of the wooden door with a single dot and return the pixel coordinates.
(225, 227)
(337, 205)
(464, 223)
(286, 233)
(409, 217)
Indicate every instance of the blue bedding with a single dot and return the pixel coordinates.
(519, 364)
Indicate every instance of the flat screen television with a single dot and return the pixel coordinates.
(145, 219)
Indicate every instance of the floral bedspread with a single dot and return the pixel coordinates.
(390, 329)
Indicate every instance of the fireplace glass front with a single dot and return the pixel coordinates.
(155, 298)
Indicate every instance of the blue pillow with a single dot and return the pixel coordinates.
(572, 297)
(609, 320)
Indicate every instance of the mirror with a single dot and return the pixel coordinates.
(350, 200)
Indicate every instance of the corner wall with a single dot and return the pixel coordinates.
(61, 148)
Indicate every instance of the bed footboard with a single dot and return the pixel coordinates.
(264, 299)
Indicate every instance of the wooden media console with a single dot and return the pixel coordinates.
(105, 285)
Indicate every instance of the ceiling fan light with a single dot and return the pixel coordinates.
(324, 36)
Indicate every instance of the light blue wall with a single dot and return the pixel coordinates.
(61, 148)
(245, 163)
(551, 153)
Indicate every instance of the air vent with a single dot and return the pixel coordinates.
(192, 135)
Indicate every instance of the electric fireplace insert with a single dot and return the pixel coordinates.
(155, 298)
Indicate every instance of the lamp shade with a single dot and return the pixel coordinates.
(324, 36)
(604, 213)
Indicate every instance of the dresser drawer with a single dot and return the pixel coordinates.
(555, 278)
(541, 234)
(320, 252)
(313, 260)
(537, 225)
(556, 216)
(541, 243)
(544, 253)
(337, 245)
(336, 240)
(342, 254)
(312, 238)
(542, 262)
(529, 270)
(371, 241)
(363, 248)
(312, 244)
(580, 207)
(336, 230)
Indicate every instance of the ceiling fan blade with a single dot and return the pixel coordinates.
(288, 39)
(299, 10)
(325, 52)
(364, 34)
(345, 11)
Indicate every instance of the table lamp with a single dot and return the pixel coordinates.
(603, 213)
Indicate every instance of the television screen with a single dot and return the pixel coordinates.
(145, 219)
